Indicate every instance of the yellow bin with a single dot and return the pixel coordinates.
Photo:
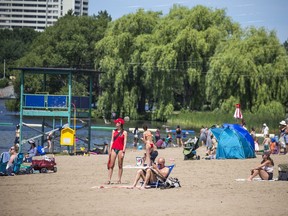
(67, 137)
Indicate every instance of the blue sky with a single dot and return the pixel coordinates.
(271, 14)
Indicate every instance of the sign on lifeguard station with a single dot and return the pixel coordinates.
(67, 137)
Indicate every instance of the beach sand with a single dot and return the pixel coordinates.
(209, 187)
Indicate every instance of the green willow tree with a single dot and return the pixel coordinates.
(124, 83)
(191, 37)
(252, 68)
(159, 60)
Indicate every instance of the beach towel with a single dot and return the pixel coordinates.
(256, 180)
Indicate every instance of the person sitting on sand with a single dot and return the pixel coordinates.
(13, 156)
(150, 174)
(212, 150)
(160, 144)
(32, 151)
(264, 170)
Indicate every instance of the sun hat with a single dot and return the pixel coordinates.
(31, 141)
(119, 120)
(264, 125)
(283, 123)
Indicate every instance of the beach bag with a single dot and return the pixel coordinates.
(283, 172)
(171, 183)
(40, 150)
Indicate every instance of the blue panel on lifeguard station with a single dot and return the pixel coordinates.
(81, 102)
(34, 100)
(57, 101)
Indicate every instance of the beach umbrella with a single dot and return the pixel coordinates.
(238, 113)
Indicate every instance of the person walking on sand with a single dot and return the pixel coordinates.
(149, 145)
(264, 170)
(179, 136)
(17, 134)
(49, 142)
(117, 149)
(265, 130)
(136, 137)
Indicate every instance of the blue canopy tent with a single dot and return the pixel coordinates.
(233, 143)
(243, 132)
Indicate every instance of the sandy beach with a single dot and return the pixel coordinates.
(209, 187)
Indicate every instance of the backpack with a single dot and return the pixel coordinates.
(283, 172)
(40, 150)
(171, 183)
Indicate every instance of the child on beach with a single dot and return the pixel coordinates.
(256, 144)
(273, 147)
(266, 143)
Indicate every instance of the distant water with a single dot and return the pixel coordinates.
(7, 133)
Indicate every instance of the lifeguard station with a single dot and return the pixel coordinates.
(59, 108)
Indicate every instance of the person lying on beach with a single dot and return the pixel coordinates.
(264, 170)
(150, 174)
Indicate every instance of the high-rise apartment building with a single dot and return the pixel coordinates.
(37, 14)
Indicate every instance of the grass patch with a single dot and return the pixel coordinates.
(196, 119)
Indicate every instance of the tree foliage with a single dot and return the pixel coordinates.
(14, 44)
(69, 43)
(188, 59)
(160, 60)
(252, 68)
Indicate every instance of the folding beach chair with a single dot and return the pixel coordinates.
(160, 182)
(5, 156)
(17, 163)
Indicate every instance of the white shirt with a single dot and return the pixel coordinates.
(265, 130)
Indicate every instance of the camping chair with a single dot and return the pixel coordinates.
(15, 168)
(5, 156)
(160, 182)
(17, 163)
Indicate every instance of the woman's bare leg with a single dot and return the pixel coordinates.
(148, 149)
(254, 174)
(263, 175)
(111, 165)
(120, 166)
(140, 174)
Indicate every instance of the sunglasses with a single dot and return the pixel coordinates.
(12, 149)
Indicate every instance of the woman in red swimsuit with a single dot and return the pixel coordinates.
(117, 149)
